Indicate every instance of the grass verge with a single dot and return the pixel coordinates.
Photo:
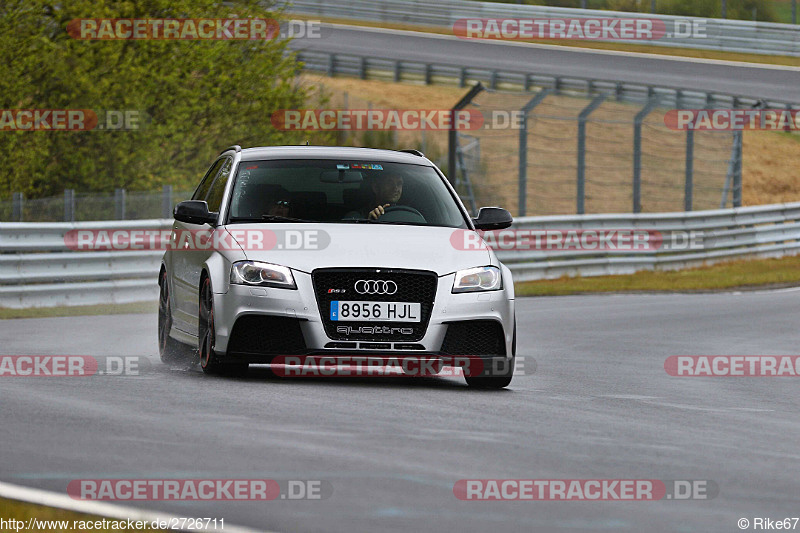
(22, 511)
(769, 170)
(747, 274)
(81, 310)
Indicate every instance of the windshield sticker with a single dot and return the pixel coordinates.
(367, 166)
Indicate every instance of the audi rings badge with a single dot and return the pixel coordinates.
(375, 286)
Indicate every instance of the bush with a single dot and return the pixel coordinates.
(195, 97)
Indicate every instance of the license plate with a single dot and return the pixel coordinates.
(375, 311)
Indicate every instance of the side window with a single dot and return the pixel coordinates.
(202, 189)
(218, 188)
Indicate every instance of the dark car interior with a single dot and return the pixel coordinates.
(311, 197)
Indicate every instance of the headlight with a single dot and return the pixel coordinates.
(262, 275)
(478, 279)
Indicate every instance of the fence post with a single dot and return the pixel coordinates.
(362, 68)
(523, 149)
(397, 71)
(737, 174)
(166, 201)
(428, 73)
(689, 185)
(581, 186)
(637, 152)
(119, 203)
(17, 203)
(69, 205)
(331, 65)
(452, 140)
(733, 178)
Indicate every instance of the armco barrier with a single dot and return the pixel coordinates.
(758, 231)
(38, 270)
(720, 34)
(369, 68)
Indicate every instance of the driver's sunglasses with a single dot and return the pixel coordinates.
(282, 203)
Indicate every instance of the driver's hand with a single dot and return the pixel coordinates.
(378, 211)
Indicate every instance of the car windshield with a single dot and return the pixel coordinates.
(342, 191)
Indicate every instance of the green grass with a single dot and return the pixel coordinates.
(82, 310)
(13, 509)
(744, 274)
(783, 11)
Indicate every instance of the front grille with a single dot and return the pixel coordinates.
(266, 335)
(412, 286)
(474, 337)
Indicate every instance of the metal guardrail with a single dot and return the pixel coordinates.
(758, 231)
(367, 67)
(720, 34)
(37, 268)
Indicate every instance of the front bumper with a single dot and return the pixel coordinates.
(301, 306)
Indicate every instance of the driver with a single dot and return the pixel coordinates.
(387, 188)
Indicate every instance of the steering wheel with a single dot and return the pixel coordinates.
(401, 213)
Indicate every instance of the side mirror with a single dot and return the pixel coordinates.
(490, 218)
(194, 212)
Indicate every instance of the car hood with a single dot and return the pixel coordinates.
(306, 247)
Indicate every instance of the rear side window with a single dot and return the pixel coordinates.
(218, 188)
(208, 179)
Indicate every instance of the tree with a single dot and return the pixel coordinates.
(193, 97)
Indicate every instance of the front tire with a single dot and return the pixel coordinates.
(209, 361)
(170, 350)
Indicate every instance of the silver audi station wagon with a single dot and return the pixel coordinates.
(335, 252)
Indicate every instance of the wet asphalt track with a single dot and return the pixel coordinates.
(600, 405)
(756, 81)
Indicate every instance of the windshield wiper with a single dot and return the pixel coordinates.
(358, 221)
(278, 218)
(269, 218)
(401, 223)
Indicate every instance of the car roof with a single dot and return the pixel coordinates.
(331, 152)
